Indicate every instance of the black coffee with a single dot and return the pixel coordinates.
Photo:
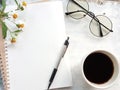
(98, 68)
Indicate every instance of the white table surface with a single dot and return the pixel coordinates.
(73, 31)
(75, 28)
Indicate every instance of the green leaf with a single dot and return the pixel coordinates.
(21, 8)
(18, 5)
(5, 14)
(16, 2)
(4, 29)
(17, 31)
(3, 5)
(16, 34)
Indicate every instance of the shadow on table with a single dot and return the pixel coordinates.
(78, 80)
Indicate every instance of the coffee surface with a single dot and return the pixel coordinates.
(98, 68)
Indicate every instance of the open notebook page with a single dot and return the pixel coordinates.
(32, 59)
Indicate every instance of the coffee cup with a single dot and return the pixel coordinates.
(100, 69)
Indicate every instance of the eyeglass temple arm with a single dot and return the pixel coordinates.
(78, 5)
(89, 13)
(95, 18)
(68, 13)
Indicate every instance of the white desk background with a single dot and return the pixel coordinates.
(80, 36)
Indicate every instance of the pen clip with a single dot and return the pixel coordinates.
(66, 42)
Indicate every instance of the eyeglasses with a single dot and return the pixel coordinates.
(100, 25)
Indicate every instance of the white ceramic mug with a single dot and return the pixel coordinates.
(114, 75)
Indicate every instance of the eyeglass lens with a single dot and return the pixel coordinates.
(79, 13)
(94, 25)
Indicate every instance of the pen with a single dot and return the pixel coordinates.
(62, 53)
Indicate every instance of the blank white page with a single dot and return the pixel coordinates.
(32, 59)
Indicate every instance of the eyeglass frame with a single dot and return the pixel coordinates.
(90, 14)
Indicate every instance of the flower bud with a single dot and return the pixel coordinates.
(13, 40)
(15, 15)
(20, 25)
(24, 3)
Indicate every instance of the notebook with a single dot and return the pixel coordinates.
(3, 64)
(32, 59)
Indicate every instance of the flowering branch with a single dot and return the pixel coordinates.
(12, 17)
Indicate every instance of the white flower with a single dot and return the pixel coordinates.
(13, 15)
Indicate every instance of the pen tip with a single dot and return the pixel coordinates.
(48, 86)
